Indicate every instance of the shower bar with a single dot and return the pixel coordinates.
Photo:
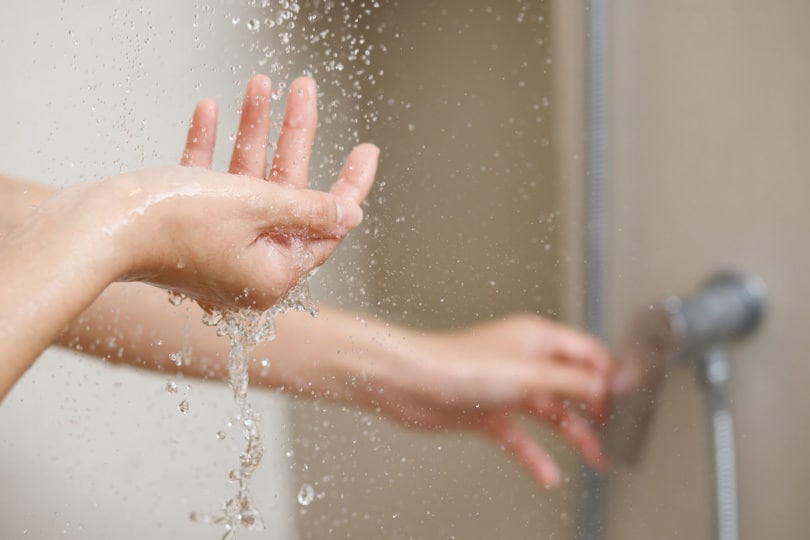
(596, 222)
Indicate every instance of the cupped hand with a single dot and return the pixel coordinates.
(487, 377)
(290, 164)
(226, 240)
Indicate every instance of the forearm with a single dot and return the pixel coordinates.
(336, 355)
(346, 357)
(17, 200)
(50, 271)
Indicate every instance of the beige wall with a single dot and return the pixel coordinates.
(710, 130)
(465, 206)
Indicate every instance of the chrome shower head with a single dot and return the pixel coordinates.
(728, 306)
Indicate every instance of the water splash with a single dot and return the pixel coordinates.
(328, 41)
(245, 329)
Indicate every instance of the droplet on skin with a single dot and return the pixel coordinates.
(171, 386)
(177, 358)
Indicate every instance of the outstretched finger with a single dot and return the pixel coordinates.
(573, 429)
(528, 452)
(250, 148)
(291, 162)
(202, 134)
(358, 173)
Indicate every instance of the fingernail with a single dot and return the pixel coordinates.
(349, 214)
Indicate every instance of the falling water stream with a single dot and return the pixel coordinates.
(245, 329)
(288, 27)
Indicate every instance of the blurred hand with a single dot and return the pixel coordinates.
(486, 377)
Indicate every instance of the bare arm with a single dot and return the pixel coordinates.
(51, 268)
(226, 240)
(17, 200)
(483, 379)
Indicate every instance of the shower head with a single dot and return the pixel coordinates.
(727, 307)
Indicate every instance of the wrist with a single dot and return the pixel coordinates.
(75, 227)
(118, 221)
(55, 263)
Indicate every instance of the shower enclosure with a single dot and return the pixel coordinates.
(480, 110)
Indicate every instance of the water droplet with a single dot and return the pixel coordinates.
(220, 435)
(235, 20)
(305, 495)
(171, 386)
(183, 407)
(253, 24)
(177, 358)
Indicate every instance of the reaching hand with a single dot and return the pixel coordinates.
(486, 377)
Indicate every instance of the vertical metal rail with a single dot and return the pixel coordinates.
(596, 241)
